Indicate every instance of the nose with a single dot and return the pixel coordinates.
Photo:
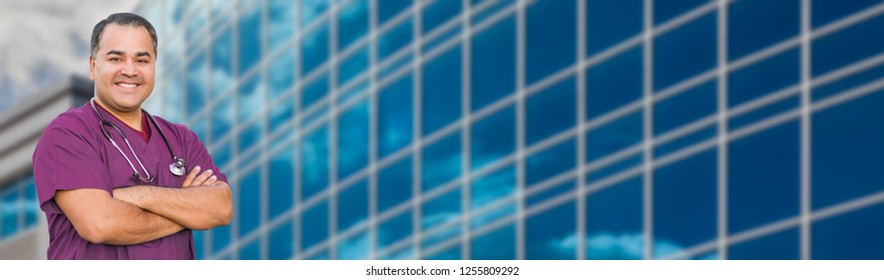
(128, 69)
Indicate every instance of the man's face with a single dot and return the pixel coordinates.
(123, 67)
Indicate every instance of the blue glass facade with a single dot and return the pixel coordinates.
(587, 129)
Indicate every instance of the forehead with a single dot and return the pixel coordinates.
(129, 39)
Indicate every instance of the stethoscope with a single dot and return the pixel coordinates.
(177, 166)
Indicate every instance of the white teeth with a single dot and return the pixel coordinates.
(127, 85)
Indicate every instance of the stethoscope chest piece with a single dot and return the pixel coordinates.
(177, 167)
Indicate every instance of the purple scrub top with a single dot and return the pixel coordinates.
(73, 153)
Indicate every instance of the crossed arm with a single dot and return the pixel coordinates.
(140, 214)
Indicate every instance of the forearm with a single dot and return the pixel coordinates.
(197, 207)
(99, 218)
(128, 224)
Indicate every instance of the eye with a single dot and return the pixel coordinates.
(142, 61)
(114, 59)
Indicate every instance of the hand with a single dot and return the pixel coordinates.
(195, 178)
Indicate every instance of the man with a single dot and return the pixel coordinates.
(97, 206)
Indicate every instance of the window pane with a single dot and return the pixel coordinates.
(665, 10)
(388, 9)
(222, 118)
(223, 153)
(493, 137)
(353, 66)
(437, 13)
(550, 162)
(222, 62)
(197, 85)
(394, 39)
(550, 38)
(250, 37)
(175, 94)
(281, 112)
(352, 206)
(394, 229)
(282, 73)
(614, 136)
(314, 91)
(311, 10)
(685, 52)
(754, 25)
(220, 239)
(314, 162)
(685, 195)
(452, 253)
(248, 136)
(847, 46)
(764, 188)
(620, 236)
(249, 201)
(281, 185)
(31, 204)
(549, 193)
(550, 111)
(848, 82)
(394, 116)
(353, 140)
(610, 22)
(846, 153)
(314, 225)
(11, 209)
(282, 22)
(686, 107)
(441, 101)
(493, 187)
(764, 77)
(441, 210)
(614, 83)
(281, 241)
(355, 247)
(198, 241)
(441, 161)
(497, 245)
(251, 251)
(610, 169)
(493, 66)
(852, 236)
(251, 98)
(314, 49)
(394, 184)
(764, 112)
(552, 235)
(782, 245)
(352, 23)
(826, 11)
(683, 142)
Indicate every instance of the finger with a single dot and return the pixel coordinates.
(190, 175)
(201, 179)
(211, 180)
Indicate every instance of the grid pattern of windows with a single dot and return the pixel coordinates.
(585, 129)
(18, 206)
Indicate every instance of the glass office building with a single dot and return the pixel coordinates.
(545, 129)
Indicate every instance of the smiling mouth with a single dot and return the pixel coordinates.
(127, 85)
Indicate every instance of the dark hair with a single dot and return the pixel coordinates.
(123, 19)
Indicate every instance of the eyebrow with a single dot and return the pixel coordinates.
(122, 53)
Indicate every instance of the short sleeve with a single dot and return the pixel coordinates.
(197, 155)
(64, 159)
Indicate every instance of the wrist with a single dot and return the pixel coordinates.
(130, 194)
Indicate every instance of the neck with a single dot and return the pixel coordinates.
(131, 118)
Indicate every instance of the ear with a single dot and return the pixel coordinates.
(91, 68)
